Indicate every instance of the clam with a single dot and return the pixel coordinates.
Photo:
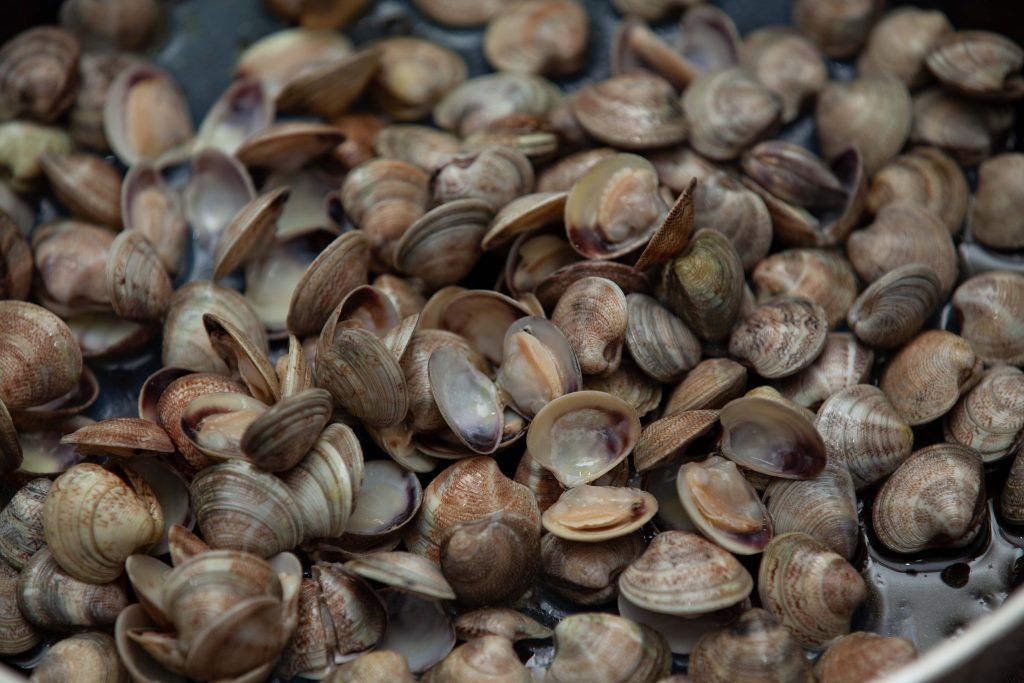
(326, 482)
(21, 523)
(1011, 500)
(96, 71)
(872, 113)
(599, 513)
(964, 129)
(340, 268)
(592, 314)
(662, 346)
(770, 437)
(418, 629)
(30, 374)
(443, 245)
(680, 573)
(539, 36)
(664, 440)
(79, 286)
(924, 379)
(139, 287)
(990, 306)
(22, 147)
(782, 338)
(631, 385)
(755, 647)
(125, 24)
(406, 295)
(138, 97)
(861, 655)
(903, 232)
(328, 90)
(11, 456)
(467, 398)
(996, 216)
(89, 656)
(217, 189)
(704, 285)
(250, 232)
(52, 599)
(728, 111)
(631, 111)
(496, 175)
(499, 621)
(862, 429)
(524, 215)
(605, 648)
(151, 207)
(793, 175)
(723, 506)
(651, 10)
(487, 658)
(245, 355)
(361, 131)
(542, 484)
(413, 76)
(936, 498)
(486, 100)
(241, 111)
(317, 17)
(38, 74)
(900, 42)
(174, 400)
(389, 497)
(363, 376)
(988, 418)
(16, 258)
(460, 13)
(561, 175)
(723, 204)
(288, 146)
(811, 590)
(587, 572)
(18, 634)
(927, 175)
(282, 56)
(403, 571)
(824, 277)
(582, 435)
(839, 27)
(423, 147)
(842, 363)
(493, 560)
(978, 64)
(895, 306)
(787, 63)
(379, 666)
(43, 454)
(424, 415)
(824, 507)
(124, 437)
(711, 384)
(88, 186)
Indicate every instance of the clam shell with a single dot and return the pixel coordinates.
(861, 656)
(414, 75)
(379, 666)
(150, 206)
(250, 233)
(723, 506)
(480, 102)
(633, 111)
(989, 418)
(277, 59)
(174, 400)
(30, 374)
(467, 398)
(605, 648)
(280, 437)
(329, 89)
(842, 363)
(1011, 500)
(244, 354)
(403, 571)
(483, 318)
(659, 342)
(825, 508)
(978, 64)
(16, 280)
(499, 621)
(592, 315)
(929, 176)
(551, 288)
(599, 513)
(38, 73)
(139, 287)
(963, 128)
(363, 376)
(996, 215)
(443, 245)
(424, 147)
(88, 186)
(288, 146)
(824, 277)
(728, 111)
(326, 482)
(21, 523)
(390, 496)
(243, 110)
(665, 440)
(50, 598)
(421, 630)
(900, 42)
(522, 37)
(754, 643)
(787, 63)
(124, 437)
(146, 116)
(484, 658)
(629, 384)
(493, 560)
(18, 634)
(96, 71)
(710, 385)
(587, 573)
(895, 306)
(84, 654)
(321, 289)
(991, 306)
(780, 339)
(771, 437)
(217, 189)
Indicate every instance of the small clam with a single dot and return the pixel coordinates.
(900, 42)
(555, 283)
(340, 268)
(991, 307)
(524, 215)
(964, 129)
(443, 245)
(904, 232)
(499, 621)
(485, 100)
(787, 63)
(21, 523)
(363, 376)
(424, 415)
(52, 599)
(85, 656)
(978, 64)
(146, 116)
(793, 174)
(631, 385)
(1011, 500)
(421, 630)
(288, 146)
(584, 572)
(927, 175)
(811, 590)
(96, 71)
(680, 573)
(605, 648)
(599, 513)
(824, 508)
(379, 666)
(711, 384)
(282, 56)
(839, 27)
(250, 232)
(872, 113)
(361, 131)
(38, 74)
(723, 505)
(16, 257)
(423, 147)
(495, 174)
(821, 276)
(72, 287)
(770, 437)
(18, 634)
(989, 417)
(924, 379)
(403, 571)
(389, 497)
(150, 206)
(30, 374)
(88, 186)
(329, 89)
(780, 339)
(123, 437)
(755, 648)
(997, 219)
(631, 111)
(895, 306)
(241, 111)
(936, 498)
(651, 10)
(862, 656)
(413, 76)
(467, 398)
(460, 13)
(659, 342)
(493, 560)
(539, 36)
(843, 362)
(728, 111)
(592, 314)
(861, 429)
(665, 440)
(218, 187)
(139, 287)
(485, 659)
(125, 24)
(723, 204)
(561, 175)
(174, 400)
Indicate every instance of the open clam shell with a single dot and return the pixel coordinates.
(146, 117)
(390, 496)
(468, 400)
(404, 572)
(599, 513)
(770, 437)
(723, 505)
(152, 207)
(538, 365)
(216, 191)
(250, 233)
(243, 110)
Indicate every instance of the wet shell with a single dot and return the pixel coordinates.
(843, 362)
(895, 306)
(712, 384)
(177, 397)
(96, 72)
(72, 286)
(124, 437)
(924, 379)
(52, 599)
(482, 102)
(862, 656)
(787, 63)
(991, 307)
(658, 341)
(363, 376)
(493, 560)
(861, 429)
(978, 64)
(631, 385)
(38, 74)
(413, 76)
(824, 508)
(771, 437)
(32, 374)
(728, 111)
(443, 246)
(21, 523)
(250, 233)
(467, 398)
(821, 276)
(88, 186)
(631, 111)
(997, 219)
(810, 589)
(379, 666)
(605, 648)
(329, 89)
(756, 647)
(1011, 500)
(780, 339)
(965, 129)
(989, 418)
(495, 174)
(901, 40)
(538, 36)
(935, 499)
(927, 175)
(680, 573)
(587, 573)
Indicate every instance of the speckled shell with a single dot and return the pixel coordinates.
(824, 507)
(21, 523)
(842, 363)
(741, 652)
(991, 306)
(782, 338)
(605, 648)
(824, 277)
(927, 175)
(861, 656)
(895, 306)
(587, 573)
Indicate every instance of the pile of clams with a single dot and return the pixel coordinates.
(386, 370)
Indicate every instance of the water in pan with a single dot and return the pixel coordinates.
(925, 600)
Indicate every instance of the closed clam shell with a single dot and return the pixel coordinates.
(861, 656)
(403, 571)
(756, 647)
(443, 245)
(780, 339)
(965, 129)
(680, 573)
(421, 146)
(32, 374)
(893, 308)
(250, 233)
(900, 42)
(787, 63)
(592, 314)
(52, 599)
(793, 174)
(811, 590)
(587, 573)
(280, 437)
(728, 111)
(843, 362)
(288, 146)
(146, 116)
(605, 648)
(927, 175)
(903, 232)
(218, 187)
(630, 384)
(414, 75)
(485, 100)
(978, 64)
(1011, 500)
(723, 505)
(924, 379)
(768, 436)
(493, 560)
(96, 71)
(21, 523)
(838, 27)
(872, 113)
(487, 658)
(242, 110)
(824, 277)
(329, 89)
(666, 439)
(522, 37)
(824, 507)
(658, 341)
(124, 437)
(363, 376)
(989, 417)
(85, 654)
(152, 207)
(67, 287)
(240, 507)
(88, 186)
(996, 219)
(991, 306)
(711, 384)
(499, 621)
(174, 400)
(704, 285)
(139, 287)
(18, 635)
(723, 204)
(16, 258)
(599, 513)
(38, 73)
(862, 429)
(326, 482)
(379, 666)
(321, 289)
(936, 498)
(496, 175)
(631, 111)
(582, 435)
